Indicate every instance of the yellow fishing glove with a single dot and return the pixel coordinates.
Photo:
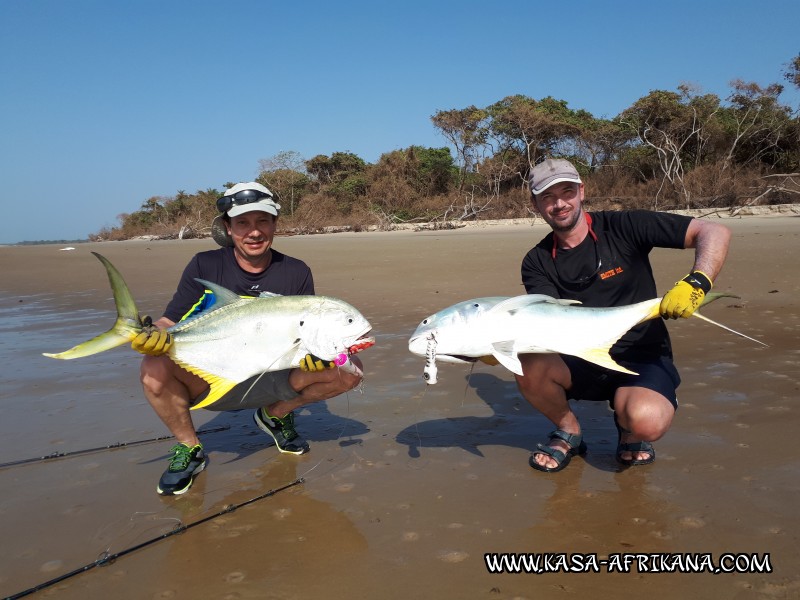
(151, 340)
(686, 296)
(311, 363)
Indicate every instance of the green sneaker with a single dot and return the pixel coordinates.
(185, 463)
(282, 431)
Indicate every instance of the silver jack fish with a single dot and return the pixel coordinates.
(238, 338)
(499, 329)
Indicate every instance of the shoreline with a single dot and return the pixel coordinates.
(777, 210)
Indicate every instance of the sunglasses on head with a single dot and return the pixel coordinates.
(225, 203)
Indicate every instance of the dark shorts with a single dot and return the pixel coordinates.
(260, 390)
(592, 382)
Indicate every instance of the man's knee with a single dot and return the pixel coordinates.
(154, 372)
(647, 420)
(541, 371)
(649, 429)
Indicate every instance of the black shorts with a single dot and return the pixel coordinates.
(592, 382)
(259, 390)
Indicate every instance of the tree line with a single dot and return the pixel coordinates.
(668, 150)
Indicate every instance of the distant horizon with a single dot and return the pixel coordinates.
(43, 242)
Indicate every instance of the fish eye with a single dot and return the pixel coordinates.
(476, 305)
(349, 320)
(425, 321)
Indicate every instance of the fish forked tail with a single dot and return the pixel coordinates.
(127, 326)
(708, 299)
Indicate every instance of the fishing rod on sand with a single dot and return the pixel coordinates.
(113, 446)
(107, 559)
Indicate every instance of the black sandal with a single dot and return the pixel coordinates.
(633, 448)
(573, 440)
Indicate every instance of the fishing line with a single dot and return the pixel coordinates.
(107, 559)
(360, 388)
(429, 376)
(425, 391)
(252, 385)
(416, 421)
(466, 385)
(101, 448)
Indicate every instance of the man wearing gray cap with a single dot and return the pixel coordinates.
(601, 259)
(248, 265)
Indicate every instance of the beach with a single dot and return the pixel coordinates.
(407, 487)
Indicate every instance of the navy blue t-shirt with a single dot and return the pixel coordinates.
(285, 275)
(613, 271)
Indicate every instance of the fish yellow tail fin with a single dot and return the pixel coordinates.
(127, 326)
(709, 298)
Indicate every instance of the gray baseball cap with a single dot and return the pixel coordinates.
(551, 172)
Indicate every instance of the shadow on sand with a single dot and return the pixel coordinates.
(513, 423)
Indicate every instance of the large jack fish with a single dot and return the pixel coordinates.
(238, 338)
(499, 329)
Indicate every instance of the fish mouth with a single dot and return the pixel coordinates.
(418, 345)
(455, 359)
(362, 343)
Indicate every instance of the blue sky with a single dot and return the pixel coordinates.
(106, 103)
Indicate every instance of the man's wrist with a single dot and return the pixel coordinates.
(699, 280)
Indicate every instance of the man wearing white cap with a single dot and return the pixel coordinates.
(601, 259)
(248, 265)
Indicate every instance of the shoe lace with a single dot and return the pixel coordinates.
(182, 457)
(286, 425)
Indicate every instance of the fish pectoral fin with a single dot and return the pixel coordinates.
(563, 301)
(601, 357)
(505, 354)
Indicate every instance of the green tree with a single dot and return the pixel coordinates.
(402, 180)
(756, 125)
(343, 175)
(285, 174)
(337, 167)
(600, 144)
(676, 127)
(466, 129)
(533, 128)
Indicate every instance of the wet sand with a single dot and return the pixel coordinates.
(406, 486)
